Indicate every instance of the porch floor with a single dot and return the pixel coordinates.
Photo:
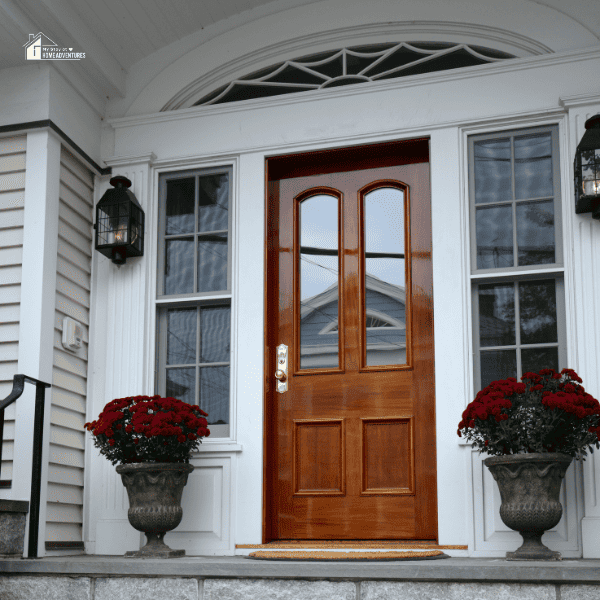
(574, 571)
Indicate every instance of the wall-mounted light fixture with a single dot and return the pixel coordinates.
(587, 169)
(119, 222)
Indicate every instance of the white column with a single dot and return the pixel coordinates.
(38, 298)
(451, 318)
(249, 323)
(121, 301)
(582, 279)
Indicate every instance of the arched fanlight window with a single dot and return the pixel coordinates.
(347, 66)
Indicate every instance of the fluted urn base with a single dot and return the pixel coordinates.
(529, 486)
(154, 491)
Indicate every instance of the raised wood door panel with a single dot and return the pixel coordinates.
(352, 448)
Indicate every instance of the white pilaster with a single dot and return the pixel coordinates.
(121, 359)
(38, 287)
(585, 273)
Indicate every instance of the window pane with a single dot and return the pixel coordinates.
(212, 263)
(213, 203)
(215, 334)
(180, 206)
(497, 315)
(497, 364)
(181, 336)
(537, 307)
(535, 233)
(494, 237)
(534, 359)
(533, 166)
(385, 293)
(319, 293)
(181, 384)
(179, 266)
(492, 171)
(214, 394)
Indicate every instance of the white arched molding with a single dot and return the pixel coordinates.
(492, 38)
(120, 362)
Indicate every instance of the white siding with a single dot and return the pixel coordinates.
(69, 373)
(12, 202)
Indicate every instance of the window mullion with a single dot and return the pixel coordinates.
(198, 357)
(514, 199)
(518, 328)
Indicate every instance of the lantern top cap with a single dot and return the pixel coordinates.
(593, 122)
(120, 181)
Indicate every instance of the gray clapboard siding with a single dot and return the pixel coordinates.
(64, 509)
(12, 202)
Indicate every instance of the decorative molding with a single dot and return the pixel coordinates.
(126, 161)
(347, 91)
(376, 33)
(371, 63)
(67, 141)
(578, 100)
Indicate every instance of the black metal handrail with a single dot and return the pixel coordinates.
(36, 468)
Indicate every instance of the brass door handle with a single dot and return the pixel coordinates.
(282, 368)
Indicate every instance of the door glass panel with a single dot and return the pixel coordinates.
(385, 279)
(319, 282)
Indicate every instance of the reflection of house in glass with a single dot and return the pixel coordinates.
(493, 331)
(385, 322)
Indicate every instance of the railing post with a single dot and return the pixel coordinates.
(38, 439)
(36, 468)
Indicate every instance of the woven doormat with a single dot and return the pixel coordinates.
(316, 555)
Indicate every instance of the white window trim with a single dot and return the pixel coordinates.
(221, 444)
(500, 126)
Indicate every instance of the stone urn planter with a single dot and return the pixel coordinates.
(154, 491)
(529, 487)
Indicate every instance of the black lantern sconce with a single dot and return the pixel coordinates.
(587, 170)
(119, 223)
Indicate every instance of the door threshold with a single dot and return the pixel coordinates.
(353, 546)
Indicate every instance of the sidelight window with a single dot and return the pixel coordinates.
(517, 269)
(194, 292)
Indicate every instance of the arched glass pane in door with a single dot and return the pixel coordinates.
(385, 276)
(319, 269)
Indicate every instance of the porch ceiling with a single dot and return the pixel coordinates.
(117, 34)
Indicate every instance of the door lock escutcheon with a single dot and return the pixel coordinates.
(281, 372)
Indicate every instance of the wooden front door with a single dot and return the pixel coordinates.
(351, 442)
